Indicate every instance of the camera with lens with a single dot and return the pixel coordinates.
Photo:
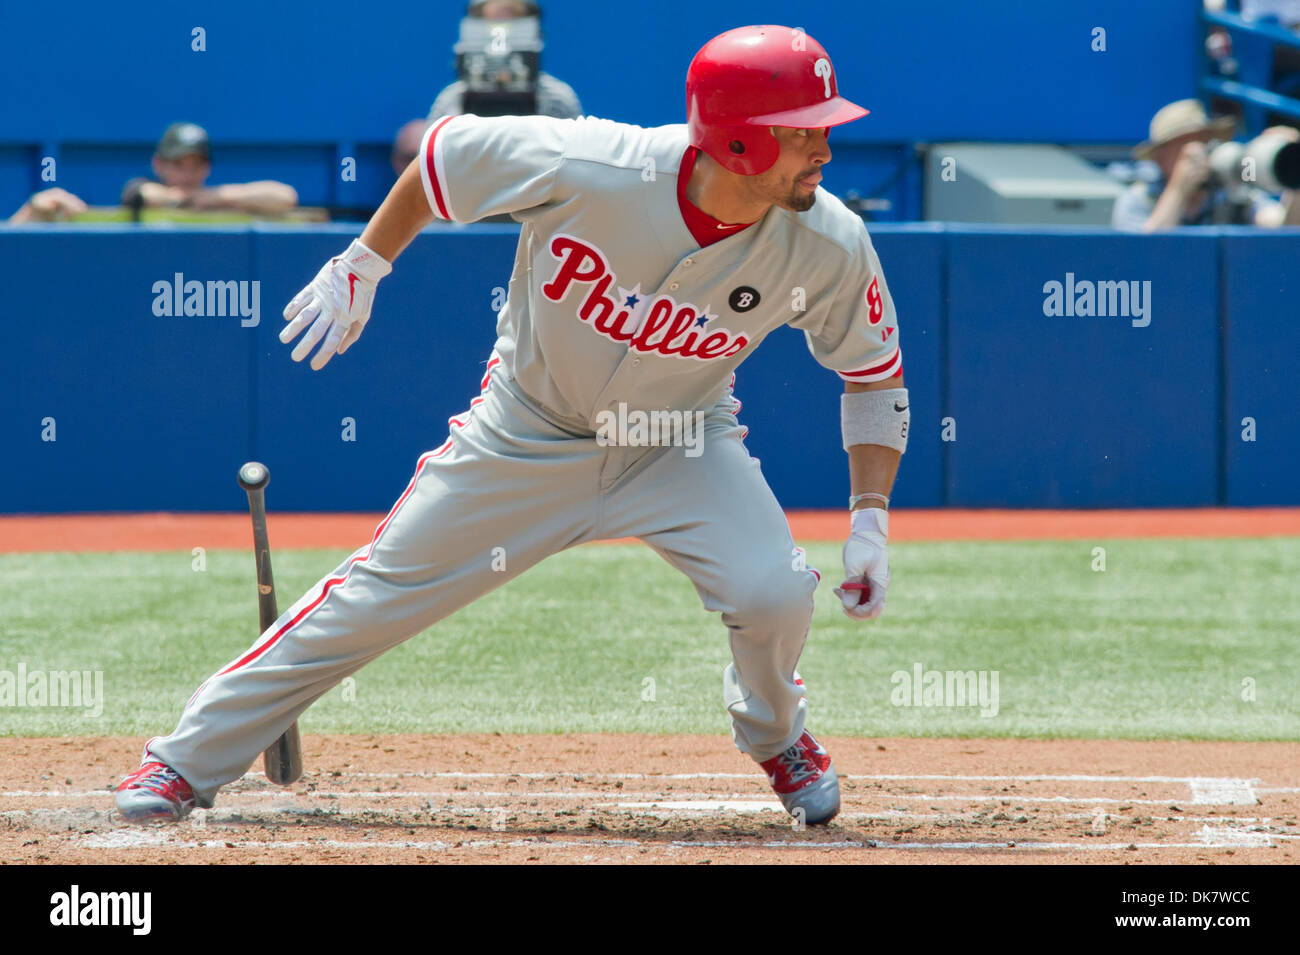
(499, 62)
(1268, 162)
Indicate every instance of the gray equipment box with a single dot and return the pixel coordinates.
(1023, 184)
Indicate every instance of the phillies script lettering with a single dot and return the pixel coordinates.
(659, 326)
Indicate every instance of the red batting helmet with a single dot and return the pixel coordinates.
(750, 78)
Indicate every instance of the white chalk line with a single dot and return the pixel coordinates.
(227, 815)
(1224, 792)
(1230, 836)
(1204, 791)
(152, 839)
(289, 794)
(1017, 799)
(1205, 784)
(607, 796)
(580, 775)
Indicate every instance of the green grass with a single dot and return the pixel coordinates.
(1156, 646)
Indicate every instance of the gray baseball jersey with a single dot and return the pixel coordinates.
(611, 301)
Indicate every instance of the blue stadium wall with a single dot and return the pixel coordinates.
(1192, 403)
(289, 90)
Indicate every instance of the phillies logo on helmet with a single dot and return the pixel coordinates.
(822, 68)
(659, 326)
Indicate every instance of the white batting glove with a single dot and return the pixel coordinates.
(336, 305)
(866, 561)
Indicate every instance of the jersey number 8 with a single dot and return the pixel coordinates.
(875, 305)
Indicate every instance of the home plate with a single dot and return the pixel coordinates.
(708, 805)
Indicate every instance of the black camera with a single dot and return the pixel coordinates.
(499, 62)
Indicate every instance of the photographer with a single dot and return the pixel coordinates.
(1204, 184)
(497, 59)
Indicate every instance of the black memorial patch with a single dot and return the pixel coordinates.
(743, 299)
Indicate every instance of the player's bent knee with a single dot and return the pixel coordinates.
(778, 601)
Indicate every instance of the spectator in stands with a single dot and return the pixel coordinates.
(181, 166)
(48, 205)
(407, 144)
(547, 95)
(1186, 192)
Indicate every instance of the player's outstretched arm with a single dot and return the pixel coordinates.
(401, 217)
(872, 469)
(336, 305)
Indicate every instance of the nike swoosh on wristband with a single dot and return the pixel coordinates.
(896, 408)
(352, 291)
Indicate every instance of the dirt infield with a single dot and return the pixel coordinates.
(111, 532)
(658, 799)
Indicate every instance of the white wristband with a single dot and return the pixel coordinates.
(875, 417)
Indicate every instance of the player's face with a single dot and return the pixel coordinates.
(792, 182)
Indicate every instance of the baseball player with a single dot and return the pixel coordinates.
(650, 264)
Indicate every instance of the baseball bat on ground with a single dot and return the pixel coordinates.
(283, 759)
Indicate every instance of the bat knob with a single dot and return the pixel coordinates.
(253, 476)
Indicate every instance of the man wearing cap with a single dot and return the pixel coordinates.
(181, 165)
(1185, 192)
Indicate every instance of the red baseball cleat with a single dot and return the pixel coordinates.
(153, 792)
(805, 781)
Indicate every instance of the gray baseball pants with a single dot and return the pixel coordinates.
(510, 476)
